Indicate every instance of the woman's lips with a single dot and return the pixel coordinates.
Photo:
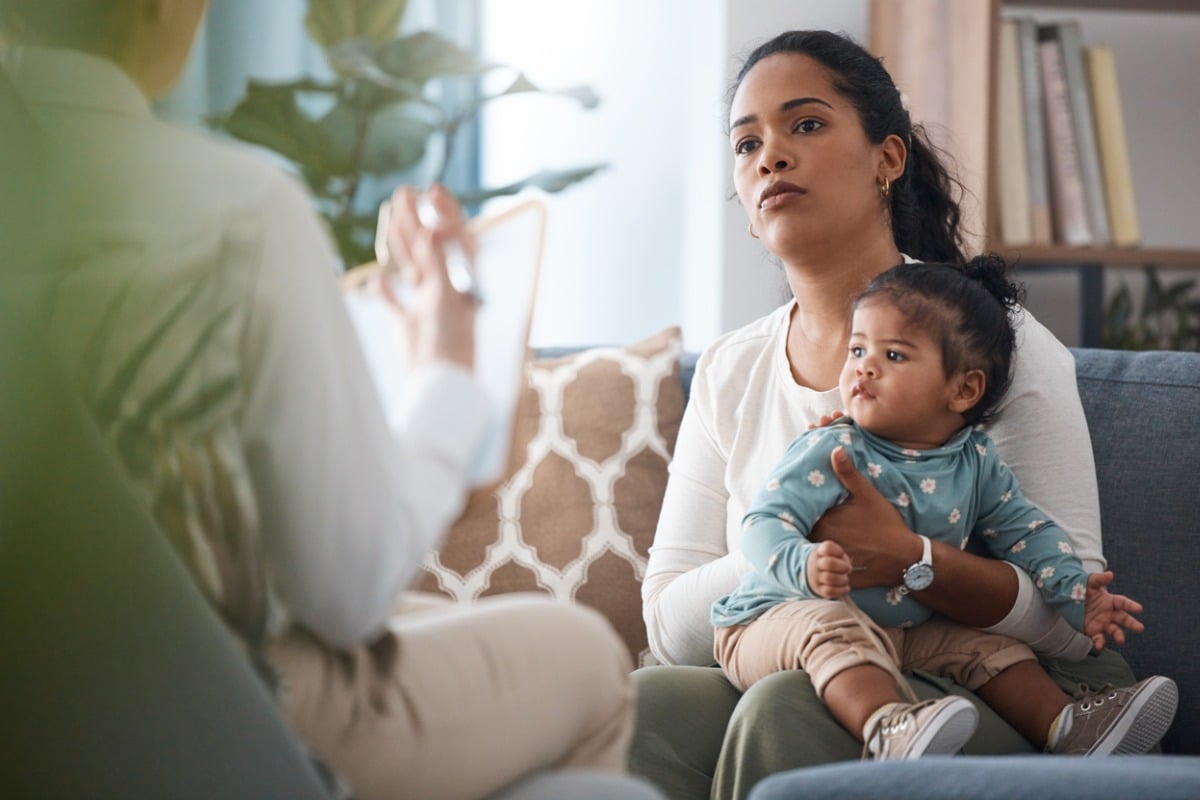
(778, 199)
(778, 193)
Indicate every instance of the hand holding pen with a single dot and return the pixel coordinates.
(417, 274)
(459, 265)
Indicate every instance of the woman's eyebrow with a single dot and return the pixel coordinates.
(786, 106)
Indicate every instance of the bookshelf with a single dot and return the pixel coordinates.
(943, 54)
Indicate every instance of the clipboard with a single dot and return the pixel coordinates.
(509, 247)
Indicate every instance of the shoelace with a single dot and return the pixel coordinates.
(896, 720)
(1085, 698)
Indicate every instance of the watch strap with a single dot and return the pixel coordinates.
(926, 559)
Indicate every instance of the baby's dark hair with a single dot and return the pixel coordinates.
(967, 307)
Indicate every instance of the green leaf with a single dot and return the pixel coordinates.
(546, 180)
(397, 138)
(270, 116)
(584, 95)
(355, 237)
(339, 129)
(332, 21)
(425, 55)
(355, 58)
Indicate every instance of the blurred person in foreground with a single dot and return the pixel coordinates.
(189, 288)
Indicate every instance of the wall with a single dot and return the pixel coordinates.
(654, 240)
(612, 258)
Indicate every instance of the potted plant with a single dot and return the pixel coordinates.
(380, 120)
(1168, 317)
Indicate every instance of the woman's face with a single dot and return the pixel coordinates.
(803, 167)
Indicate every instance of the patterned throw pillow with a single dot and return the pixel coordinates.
(576, 513)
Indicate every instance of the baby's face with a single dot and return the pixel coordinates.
(893, 382)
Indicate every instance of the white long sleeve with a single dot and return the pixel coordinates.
(349, 507)
(690, 563)
(1042, 433)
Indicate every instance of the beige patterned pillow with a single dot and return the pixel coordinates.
(576, 513)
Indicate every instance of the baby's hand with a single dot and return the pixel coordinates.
(1108, 615)
(828, 570)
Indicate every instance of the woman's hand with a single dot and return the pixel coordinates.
(828, 571)
(826, 420)
(1108, 615)
(869, 529)
(439, 321)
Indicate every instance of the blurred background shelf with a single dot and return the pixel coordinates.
(944, 56)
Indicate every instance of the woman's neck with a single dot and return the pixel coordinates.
(823, 287)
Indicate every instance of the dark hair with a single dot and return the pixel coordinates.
(965, 306)
(924, 210)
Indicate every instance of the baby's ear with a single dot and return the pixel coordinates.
(966, 390)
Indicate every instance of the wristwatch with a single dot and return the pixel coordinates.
(919, 576)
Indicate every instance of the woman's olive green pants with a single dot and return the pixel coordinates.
(698, 737)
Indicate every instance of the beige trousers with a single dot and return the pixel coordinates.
(458, 701)
(824, 637)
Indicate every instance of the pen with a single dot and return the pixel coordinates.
(458, 265)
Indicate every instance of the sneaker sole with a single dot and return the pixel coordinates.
(1145, 721)
(958, 723)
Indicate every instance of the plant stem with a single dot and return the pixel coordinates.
(361, 124)
(448, 136)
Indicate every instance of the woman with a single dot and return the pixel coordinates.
(839, 185)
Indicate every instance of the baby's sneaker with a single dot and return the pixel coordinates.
(1116, 721)
(912, 730)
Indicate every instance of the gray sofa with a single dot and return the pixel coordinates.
(1143, 413)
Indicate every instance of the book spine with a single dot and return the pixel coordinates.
(1071, 225)
(1041, 230)
(1075, 73)
(1113, 146)
(1013, 180)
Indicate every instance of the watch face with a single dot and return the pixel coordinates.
(918, 577)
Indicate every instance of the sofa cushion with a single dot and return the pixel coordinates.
(1143, 412)
(575, 515)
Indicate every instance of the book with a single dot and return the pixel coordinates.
(1013, 178)
(1033, 117)
(1113, 146)
(1068, 202)
(507, 263)
(1075, 73)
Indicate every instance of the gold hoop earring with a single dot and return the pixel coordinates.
(885, 188)
(752, 233)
